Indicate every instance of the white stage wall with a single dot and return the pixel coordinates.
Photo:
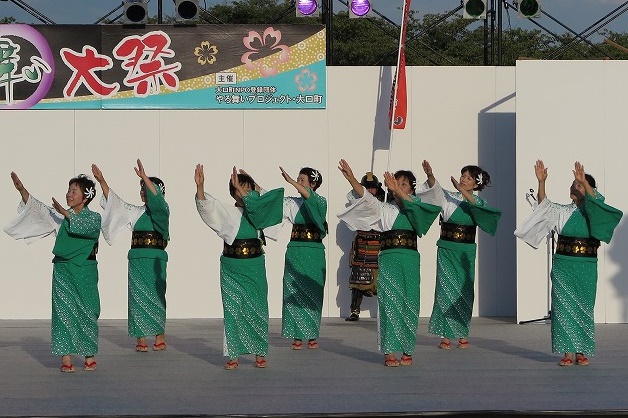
(571, 111)
(458, 116)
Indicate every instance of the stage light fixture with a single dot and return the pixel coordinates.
(186, 11)
(474, 9)
(360, 8)
(135, 11)
(529, 8)
(308, 8)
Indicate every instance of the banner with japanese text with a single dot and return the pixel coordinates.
(162, 67)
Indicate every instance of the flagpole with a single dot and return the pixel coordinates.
(406, 4)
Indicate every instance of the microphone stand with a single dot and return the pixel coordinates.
(550, 252)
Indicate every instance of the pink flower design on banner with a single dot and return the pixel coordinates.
(306, 81)
(261, 44)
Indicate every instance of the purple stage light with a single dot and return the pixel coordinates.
(360, 7)
(307, 7)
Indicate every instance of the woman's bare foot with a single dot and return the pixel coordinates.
(66, 364)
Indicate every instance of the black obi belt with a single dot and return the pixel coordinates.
(148, 239)
(243, 248)
(398, 238)
(308, 233)
(577, 247)
(457, 233)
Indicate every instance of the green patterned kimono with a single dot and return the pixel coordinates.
(75, 299)
(304, 270)
(147, 272)
(243, 283)
(455, 267)
(574, 279)
(399, 280)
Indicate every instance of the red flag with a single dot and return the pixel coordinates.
(399, 94)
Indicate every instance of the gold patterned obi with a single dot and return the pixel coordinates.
(457, 233)
(577, 247)
(148, 239)
(308, 233)
(398, 238)
(243, 248)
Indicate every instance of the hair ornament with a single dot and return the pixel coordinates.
(90, 192)
(479, 179)
(315, 175)
(162, 188)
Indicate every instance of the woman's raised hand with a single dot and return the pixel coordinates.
(199, 175)
(456, 183)
(20, 187)
(97, 173)
(427, 168)
(540, 171)
(391, 182)
(345, 169)
(578, 173)
(139, 170)
(286, 176)
(17, 182)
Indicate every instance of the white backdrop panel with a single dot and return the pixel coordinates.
(458, 116)
(568, 111)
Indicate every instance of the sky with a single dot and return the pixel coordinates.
(578, 15)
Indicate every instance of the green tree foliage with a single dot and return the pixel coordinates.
(254, 11)
(434, 39)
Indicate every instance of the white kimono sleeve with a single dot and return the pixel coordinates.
(35, 221)
(222, 219)
(541, 221)
(117, 216)
(368, 213)
(434, 195)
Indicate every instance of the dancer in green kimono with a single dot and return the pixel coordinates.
(305, 267)
(581, 226)
(243, 282)
(399, 261)
(147, 256)
(462, 211)
(75, 299)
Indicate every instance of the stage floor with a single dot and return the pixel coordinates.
(508, 370)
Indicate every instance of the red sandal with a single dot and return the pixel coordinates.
(89, 366)
(67, 368)
(391, 362)
(566, 362)
(141, 348)
(312, 345)
(581, 360)
(444, 345)
(159, 347)
(297, 345)
(260, 364)
(231, 365)
(406, 360)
